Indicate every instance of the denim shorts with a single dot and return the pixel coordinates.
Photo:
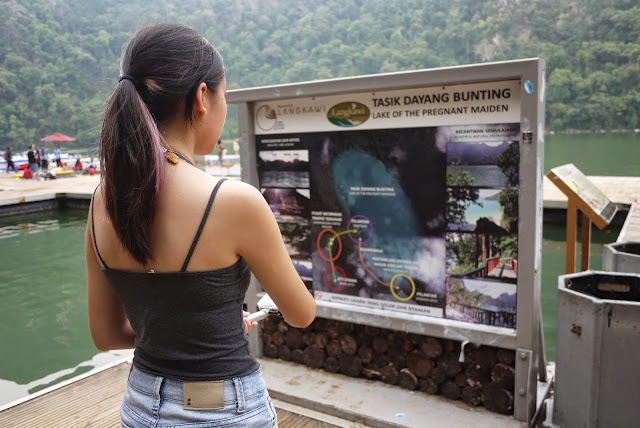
(156, 401)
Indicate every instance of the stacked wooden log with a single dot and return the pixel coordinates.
(411, 361)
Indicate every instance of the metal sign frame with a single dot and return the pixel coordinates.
(526, 338)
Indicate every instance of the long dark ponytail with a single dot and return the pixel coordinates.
(163, 65)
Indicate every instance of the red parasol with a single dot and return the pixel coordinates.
(58, 137)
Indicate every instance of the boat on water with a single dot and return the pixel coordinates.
(290, 210)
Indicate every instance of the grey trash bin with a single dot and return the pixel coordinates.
(621, 257)
(597, 379)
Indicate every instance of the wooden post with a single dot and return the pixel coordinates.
(586, 241)
(572, 219)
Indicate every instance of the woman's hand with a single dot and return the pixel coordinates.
(248, 325)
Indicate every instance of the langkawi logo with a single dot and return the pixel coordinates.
(266, 118)
(348, 114)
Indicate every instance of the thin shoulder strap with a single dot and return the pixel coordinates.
(202, 223)
(93, 229)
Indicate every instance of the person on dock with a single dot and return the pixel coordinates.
(8, 156)
(221, 149)
(92, 167)
(32, 159)
(43, 158)
(58, 157)
(190, 243)
(38, 158)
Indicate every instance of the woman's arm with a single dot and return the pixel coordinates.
(260, 243)
(108, 323)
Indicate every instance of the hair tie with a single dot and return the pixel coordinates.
(125, 77)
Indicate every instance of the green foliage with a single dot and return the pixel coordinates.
(508, 200)
(458, 293)
(509, 164)
(506, 246)
(460, 195)
(59, 59)
(463, 250)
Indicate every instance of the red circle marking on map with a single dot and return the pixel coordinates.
(326, 277)
(339, 245)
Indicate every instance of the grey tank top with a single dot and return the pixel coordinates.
(188, 325)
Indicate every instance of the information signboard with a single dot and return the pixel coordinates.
(582, 196)
(412, 200)
(400, 200)
(588, 198)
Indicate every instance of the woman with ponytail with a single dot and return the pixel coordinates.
(170, 249)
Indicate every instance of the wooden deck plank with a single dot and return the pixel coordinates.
(619, 190)
(288, 419)
(95, 402)
(631, 230)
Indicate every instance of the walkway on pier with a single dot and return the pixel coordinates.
(303, 397)
(503, 271)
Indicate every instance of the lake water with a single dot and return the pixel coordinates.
(616, 154)
(44, 333)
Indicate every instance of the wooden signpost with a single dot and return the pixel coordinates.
(582, 195)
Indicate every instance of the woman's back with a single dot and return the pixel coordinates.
(240, 224)
(188, 324)
(170, 249)
(180, 207)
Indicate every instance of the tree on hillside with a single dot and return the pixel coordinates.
(59, 59)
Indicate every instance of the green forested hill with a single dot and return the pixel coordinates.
(59, 58)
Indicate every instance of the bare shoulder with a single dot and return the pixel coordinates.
(236, 191)
(243, 204)
(97, 193)
(98, 210)
(190, 186)
(235, 201)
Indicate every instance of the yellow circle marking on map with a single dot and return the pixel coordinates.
(413, 286)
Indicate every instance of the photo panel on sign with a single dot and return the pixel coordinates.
(289, 205)
(483, 164)
(284, 168)
(482, 301)
(297, 240)
(474, 254)
(304, 269)
(485, 211)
